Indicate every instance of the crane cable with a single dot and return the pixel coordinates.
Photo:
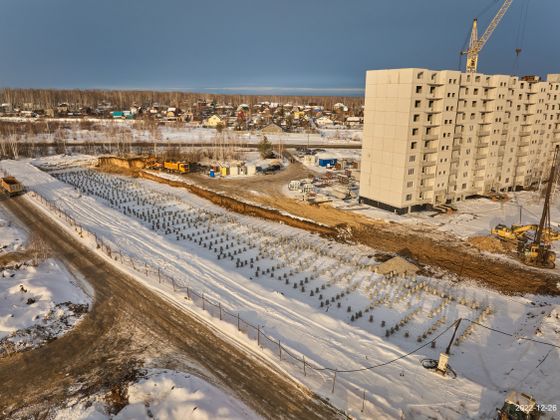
(521, 29)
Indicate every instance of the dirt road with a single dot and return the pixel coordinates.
(426, 246)
(127, 324)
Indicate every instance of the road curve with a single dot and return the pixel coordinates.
(127, 323)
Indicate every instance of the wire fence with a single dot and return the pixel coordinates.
(213, 308)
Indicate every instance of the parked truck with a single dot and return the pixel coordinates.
(179, 167)
(11, 186)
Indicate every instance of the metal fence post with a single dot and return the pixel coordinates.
(333, 382)
(280, 349)
(304, 372)
(259, 335)
(238, 326)
(220, 307)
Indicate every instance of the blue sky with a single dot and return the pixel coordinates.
(278, 46)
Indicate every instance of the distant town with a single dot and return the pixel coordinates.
(274, 114)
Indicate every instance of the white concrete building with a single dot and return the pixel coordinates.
(434, 137)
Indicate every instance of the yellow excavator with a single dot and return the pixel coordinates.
(534, 241)
(519, 232)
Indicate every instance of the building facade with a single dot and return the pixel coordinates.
(435, 137)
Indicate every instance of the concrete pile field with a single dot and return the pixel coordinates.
(323, 300)
(318, 272)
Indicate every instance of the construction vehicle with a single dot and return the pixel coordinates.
(476, 44)
(179, 167)
(537, 252)
(11, 186)
(521, 233)
(519, 406)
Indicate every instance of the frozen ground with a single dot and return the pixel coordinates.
(164, 395)
(172, 134)
(39, 299)
(319, 299)
(11, 238)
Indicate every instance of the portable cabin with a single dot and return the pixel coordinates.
(327, 162)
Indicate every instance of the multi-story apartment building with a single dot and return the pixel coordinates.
(434, 137)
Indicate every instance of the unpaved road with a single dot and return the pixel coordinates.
(422, 243)
(129, 322)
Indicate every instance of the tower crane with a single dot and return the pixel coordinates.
(476, 44)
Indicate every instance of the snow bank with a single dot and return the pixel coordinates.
(166, 395)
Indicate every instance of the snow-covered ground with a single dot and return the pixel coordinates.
(125, 132)
(321, 299)
(164, 395)
(11, 238)
(39, 299)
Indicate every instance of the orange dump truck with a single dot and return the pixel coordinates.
(11, 186)
(177, 167)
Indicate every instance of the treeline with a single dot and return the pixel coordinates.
(50, 98)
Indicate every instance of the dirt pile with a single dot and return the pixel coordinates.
(487, 244)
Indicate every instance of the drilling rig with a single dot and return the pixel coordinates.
(537, 252)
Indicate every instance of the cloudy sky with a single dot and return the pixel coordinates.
(280, 46)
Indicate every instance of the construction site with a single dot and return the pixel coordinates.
(406, 270)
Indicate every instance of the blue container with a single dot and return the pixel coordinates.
(212, 173)
(327, 162)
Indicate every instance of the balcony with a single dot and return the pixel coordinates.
(427, 176)
(429, 150)
(427, 163)
(524, 133)
(524, 143)
(522, 154)
(505, 131)
(424, 188)
(458, 135)
(479, 178)
(556, 130)
(429, 137)
(483, 133)
(482, 144)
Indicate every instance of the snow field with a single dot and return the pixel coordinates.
(312, 270)
(165, 395)
(39, 300)
(488, 364)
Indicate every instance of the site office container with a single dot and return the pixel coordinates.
(327, 162)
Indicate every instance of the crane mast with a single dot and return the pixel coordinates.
(476, 44)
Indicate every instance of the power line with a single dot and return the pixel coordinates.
(513, 335)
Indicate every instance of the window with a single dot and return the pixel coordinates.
(412, 158)
(413, 145)
(411, 171)
(420, 75)
(409, 184)
(414, 131)
(408, 197)
(417, 104)
(416, 117)
(418, 89)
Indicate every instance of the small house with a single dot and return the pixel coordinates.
(213, 121)
(272, 128)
